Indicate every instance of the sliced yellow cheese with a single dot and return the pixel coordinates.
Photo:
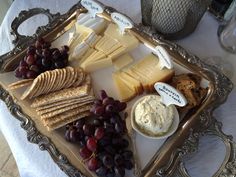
(122, 61)
(136, 84)
(124, 92)
(96, 65)
(126, 40)
(148, 72)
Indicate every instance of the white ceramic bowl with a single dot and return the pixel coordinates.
(171, 130)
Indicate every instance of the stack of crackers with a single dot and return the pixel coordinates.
(61, 96)
(65, 106)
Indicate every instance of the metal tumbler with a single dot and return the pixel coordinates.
(173, 19)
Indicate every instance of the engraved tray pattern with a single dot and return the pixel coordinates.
(175, 166)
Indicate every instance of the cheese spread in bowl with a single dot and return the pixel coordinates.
(152, 118)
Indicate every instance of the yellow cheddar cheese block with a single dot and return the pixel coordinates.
(122, 61)
(124, 92)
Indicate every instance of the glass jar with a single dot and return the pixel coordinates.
(228, 35)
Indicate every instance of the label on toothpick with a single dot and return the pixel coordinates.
(122, 21)
(93, 7)
(169, 95)
(164, 57)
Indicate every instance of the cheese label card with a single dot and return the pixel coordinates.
(164, 57)
(169, 95)
(122, 21)
(93, 7)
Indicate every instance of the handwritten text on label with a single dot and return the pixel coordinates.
(169, 95)
(122, 21)
(165, 59)
(92, 6)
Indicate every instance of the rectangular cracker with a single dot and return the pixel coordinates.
(65, 115)
(64, 94)
(65, 102)
(61, 106)
(59, 111)
(67, 121)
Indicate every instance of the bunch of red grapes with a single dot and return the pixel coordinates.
(39, 58)
(102, 142)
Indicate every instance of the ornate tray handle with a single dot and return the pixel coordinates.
(25, 15)
(175, 167)
(22, 41)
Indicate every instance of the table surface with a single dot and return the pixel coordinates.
(203, 42)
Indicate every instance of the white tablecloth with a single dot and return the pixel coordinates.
(203, 42)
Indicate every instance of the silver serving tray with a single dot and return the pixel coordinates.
(173, 165)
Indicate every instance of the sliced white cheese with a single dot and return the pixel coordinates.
(80, 50)
(91, 40)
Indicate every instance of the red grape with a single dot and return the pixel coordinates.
(119, 171)
(128, 164)
(18, 73)
(92, 144)
(122, 106)
(23, 69)
(107, 100)
(46, 45)
(39, 52)
(65, 48)
(99, 133)
(59, 64)
(127, 155)
(99, 110)
(31, 50)
(88, 129)
(80, 123)
(108, 161)
(46, 63)
(110, 108)
(118, 159)
(103, 94)
(23, 63)
(85, 153)
(46, 53)
(102, 171)
(31, 74)
(34, 68)
(30, 60)
(92, 164)
(97, 102)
